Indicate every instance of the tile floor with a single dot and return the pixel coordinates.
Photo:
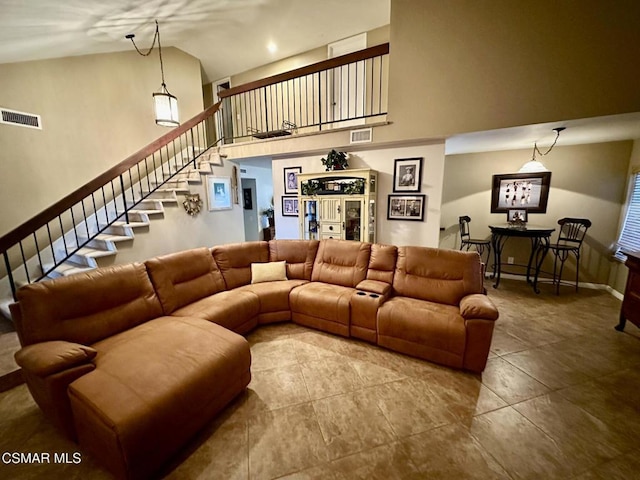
(560, 399)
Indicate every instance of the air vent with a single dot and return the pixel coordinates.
(20, 119)
(363, 135)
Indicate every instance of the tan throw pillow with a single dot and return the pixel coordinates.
(268, 272)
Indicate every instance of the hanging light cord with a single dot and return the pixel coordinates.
(153, 44)
(535, 145)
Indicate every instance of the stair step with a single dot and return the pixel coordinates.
(107, 237)
(65, 269)
(162, 196)
(131, 224)
(142, 211)
(94, 253)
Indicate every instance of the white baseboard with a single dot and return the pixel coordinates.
(592, 286)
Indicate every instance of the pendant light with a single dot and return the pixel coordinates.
(165, 104)
(535, 166)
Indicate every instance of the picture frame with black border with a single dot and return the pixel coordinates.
(406, 207)
(528, 191)
(291, 180)
(517, 215)
(407, 175)
(247, 199)
(289, 206)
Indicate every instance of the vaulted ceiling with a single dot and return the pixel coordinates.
(228, 36)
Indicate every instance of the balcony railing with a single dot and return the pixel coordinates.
(344, 91)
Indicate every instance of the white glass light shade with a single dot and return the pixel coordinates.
(166, 107)
(533, 166)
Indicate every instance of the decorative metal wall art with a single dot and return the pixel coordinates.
(192, 203)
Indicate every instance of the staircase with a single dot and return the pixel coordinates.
(140, 216)
(74, 234)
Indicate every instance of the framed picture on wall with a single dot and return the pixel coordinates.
(406, 207)
(517, 215)
(407, 174)
(521, 191)
(289, 206)
(291, 180)
(247, 199)
(219, 193)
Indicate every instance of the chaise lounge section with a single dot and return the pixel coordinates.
(132, 360)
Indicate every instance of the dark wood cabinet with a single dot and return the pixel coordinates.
(269, 233)
(631, 303)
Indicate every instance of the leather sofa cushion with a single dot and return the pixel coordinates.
(152, 386)
(322, 300)
(382, 263)
(88, 306)
(433, 325)
(341, 262)
(299, 255)
(184, 277)
(231, 309)
(273, 296)
(234, 261)
(437, 275)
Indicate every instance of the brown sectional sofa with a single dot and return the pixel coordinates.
(132, 360)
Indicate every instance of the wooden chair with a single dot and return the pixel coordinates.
(570, 237)
(466, 241)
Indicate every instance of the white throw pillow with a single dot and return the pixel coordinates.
(268, 272)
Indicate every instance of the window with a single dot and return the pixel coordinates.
(629, 239)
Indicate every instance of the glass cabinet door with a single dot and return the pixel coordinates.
(310, 219)
(372, 221)
(353, 220)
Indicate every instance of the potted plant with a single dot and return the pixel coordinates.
(269, 212)
(335, 161)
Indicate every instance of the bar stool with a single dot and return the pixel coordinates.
(570, 237)
(468, 242)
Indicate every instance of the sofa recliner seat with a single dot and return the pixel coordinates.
(133, 414)
(435, 293)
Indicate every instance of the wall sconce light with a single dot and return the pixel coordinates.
(535, 166)
(166, 105)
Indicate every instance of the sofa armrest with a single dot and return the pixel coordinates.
(478, 306)
(374, 286)
(47, 358)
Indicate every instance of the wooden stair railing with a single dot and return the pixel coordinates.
(78, 218)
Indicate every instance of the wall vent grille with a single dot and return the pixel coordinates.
(20, 119)
(363, 135)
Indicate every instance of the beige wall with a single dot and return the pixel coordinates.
(586, 181)
(374, 37)
(96, 110)
(464, 65)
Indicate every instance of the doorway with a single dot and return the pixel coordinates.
(224, 116)
(347, 83)
(250, 210)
